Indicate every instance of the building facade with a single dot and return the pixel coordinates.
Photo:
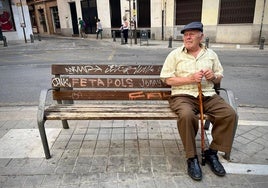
(225, 21)
(44, 16)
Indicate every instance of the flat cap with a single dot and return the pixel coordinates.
(193, 26)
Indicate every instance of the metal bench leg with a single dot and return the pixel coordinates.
(41, 127)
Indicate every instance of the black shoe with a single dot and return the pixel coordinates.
(214, 163)
(194, 170)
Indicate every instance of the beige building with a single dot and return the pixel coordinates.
(225, 21)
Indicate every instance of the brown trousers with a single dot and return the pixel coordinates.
(220, 114)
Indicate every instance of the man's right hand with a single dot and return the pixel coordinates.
(197, 77)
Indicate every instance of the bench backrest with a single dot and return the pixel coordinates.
(108, 82)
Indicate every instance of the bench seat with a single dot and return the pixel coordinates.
(109, 112)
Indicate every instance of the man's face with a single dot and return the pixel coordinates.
(192, 39)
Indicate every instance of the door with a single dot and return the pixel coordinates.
(55, 19)
(90, 15)
(144, 13)
(42, 20)
(115, 14)
(74, 18)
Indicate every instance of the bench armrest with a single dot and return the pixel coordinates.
(230, 97)
(42, 104)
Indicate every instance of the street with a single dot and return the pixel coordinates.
(25, 68)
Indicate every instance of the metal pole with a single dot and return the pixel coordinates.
(262, 22)
(207, 42)
(114, 36)
(262, 43)
(134, 21)
(129, 4)
(162, 24)
(24, 24)
(170, 42)
(32, 38)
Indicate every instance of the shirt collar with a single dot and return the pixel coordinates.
(201, 45)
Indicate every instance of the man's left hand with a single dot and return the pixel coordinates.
(209, 74)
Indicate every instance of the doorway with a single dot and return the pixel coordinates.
(42, 20)
(74, 18)
(115, 14)
(90, 15)
(144, 13)
(55, 19)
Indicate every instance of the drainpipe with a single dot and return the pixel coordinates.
(263, 10)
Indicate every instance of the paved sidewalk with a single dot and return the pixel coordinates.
(122, 153)
(47, 42)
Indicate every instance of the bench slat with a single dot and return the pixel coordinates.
(110, 95)
(88, 69)
(109, 111)
(97, 109)
(109, 116)
(100, 82)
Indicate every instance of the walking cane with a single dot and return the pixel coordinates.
(202, 124)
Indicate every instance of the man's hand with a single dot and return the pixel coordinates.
(208, 74)
(198, 76)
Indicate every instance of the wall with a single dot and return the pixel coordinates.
(156, 18)
(103, 8)
(65, 15)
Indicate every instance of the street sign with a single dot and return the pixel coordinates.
(134, 12)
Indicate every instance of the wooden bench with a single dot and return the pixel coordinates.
(122, 87)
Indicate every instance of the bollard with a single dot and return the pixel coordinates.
(170, 42)
(5, 41)
(153, 36)
(114, 36)
(122, 38)
(39, 37)
(262, 43)
(207, 42)
(32, 38)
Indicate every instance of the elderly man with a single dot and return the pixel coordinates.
(183, 69)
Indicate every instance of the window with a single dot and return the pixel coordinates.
(188, 11)
(6, 17)
(237, 11)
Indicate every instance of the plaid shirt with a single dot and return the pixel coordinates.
(180, 63)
